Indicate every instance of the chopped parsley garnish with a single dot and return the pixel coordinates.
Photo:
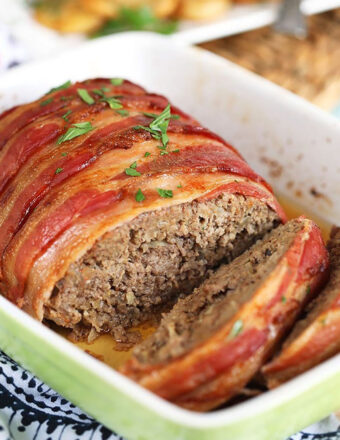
(105, 89)
(308, 290)
(154, 115)
(58, 170)
(46, 102)
(114, 103)
(237, 329)
(64, 154)
(75, 131)
(159, 126)
(65, 116)
(132, 172)
(85, 96)
(61, 87)
(175, 151)
(284, 299)
(147, 154)
(133, 165)
(164, 152)
(66, 98)
(165, 193)
(99, 92)
(179, 186)
(116, 81)
(122, 112)
(139, 196)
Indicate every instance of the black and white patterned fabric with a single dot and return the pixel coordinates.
(30, 410)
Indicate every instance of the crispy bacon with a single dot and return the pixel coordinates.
(317, 337)
(56, 199)
(217, 369)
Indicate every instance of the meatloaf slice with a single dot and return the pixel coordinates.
(317, 336)
(141, 268)
(214, 340)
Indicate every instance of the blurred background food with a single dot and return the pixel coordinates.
(100, 17)
(309, 67)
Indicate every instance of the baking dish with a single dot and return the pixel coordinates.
(292, 143)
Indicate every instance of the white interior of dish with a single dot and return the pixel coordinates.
(290, 142)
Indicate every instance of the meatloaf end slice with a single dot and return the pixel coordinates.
(214, 340)
(140, 269)
(315, 337)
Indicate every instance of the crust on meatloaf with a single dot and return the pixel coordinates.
(139, 270)
(316, 336)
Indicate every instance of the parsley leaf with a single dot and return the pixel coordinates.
(179, 186)
(75, 131)
(237, 329)
(133, 165)
(61, 87)
(114, 103)
(85, 96)
(139, 196)
(58, 170)
(66, 98)
(132, 172)
(99, 92)
(147, 154)
(64, 154)
(283, 299)
(122, 112)
(67, 114)
(154, 115)
(159, 126)
(46, 102)
(116, 81)
(165, 193)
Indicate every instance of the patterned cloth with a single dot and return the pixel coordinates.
(29, 409)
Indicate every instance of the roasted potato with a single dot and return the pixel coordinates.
(202, 9)
(67, 16)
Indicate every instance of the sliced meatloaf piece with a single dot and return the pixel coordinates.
(317, 336)
(214, 340)
(114, 203)
(139, 270)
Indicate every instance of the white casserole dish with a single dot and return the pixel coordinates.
(292, 143)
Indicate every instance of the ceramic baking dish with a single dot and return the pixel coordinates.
(292, 143)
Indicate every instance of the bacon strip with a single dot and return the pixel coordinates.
(317, 337)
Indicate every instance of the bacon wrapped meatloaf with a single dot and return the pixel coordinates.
(114, 204)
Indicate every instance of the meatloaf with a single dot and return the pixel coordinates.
(316, 337)
(214, 340)
(115, 203)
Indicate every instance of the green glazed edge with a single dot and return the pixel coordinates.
(123, 414)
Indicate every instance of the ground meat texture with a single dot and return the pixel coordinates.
(141, 268)
(194, 319)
